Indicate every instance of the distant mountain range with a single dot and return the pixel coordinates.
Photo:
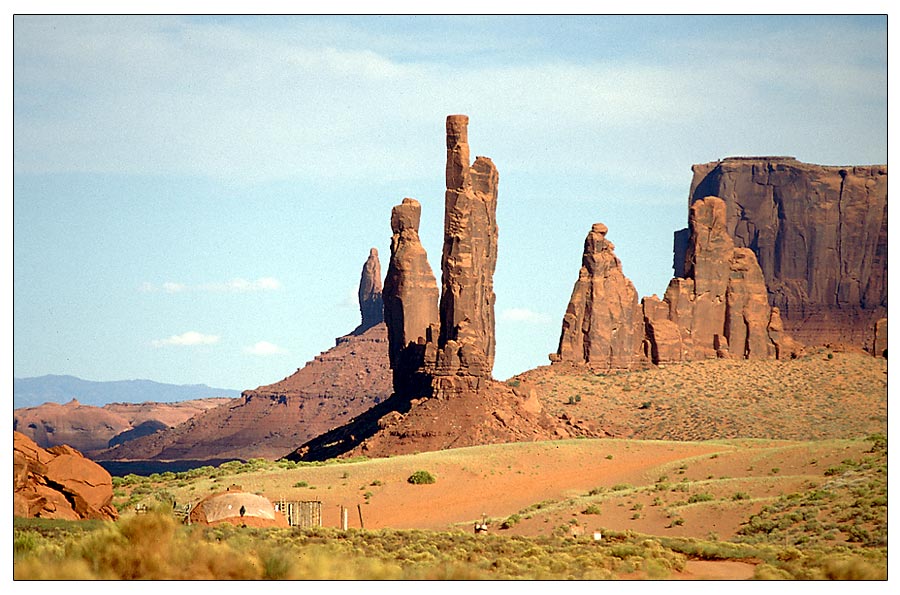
(31, 392)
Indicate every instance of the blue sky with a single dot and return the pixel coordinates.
(194, 197)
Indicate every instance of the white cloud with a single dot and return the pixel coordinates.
(264, 348)
(238, 285)
(170, 287)
(188, 338)
(524, 315)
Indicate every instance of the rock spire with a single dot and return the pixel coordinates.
(410, 300)
(371, 306)
(452, 346)
(603, 325)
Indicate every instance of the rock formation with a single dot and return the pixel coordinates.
(371, 307)
(58, 483)
(720, 308)
(603, 325)
(819, 234)
(446, 351)
(410, 301)
(463, 357)
(271, 420)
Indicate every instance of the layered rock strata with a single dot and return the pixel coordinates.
(819, 234)
(410, 301)
(720, 308)
(603, 325)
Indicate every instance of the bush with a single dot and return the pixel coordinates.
(420, 477)
(591, 509)
(702, 497)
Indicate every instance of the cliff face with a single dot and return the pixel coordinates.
(819, 234)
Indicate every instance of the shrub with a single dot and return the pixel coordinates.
(420, 477)
(702, 497)
(740, 496)
(591, 509)
(301, 484)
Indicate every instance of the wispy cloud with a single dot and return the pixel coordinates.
(524, 315)
(230, 106)
(264, 348)
(187, 339)
(238, 285)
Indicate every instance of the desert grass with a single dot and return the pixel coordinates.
(820, 396)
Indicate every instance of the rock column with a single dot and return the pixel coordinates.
(410, 301)
(371, 306)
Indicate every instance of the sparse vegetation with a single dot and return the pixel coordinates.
(421, 477)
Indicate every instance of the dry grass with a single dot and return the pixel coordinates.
(815, 397)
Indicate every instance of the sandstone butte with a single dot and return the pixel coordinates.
(58, 483)
(718, 309)
(819, 234)
(442, 351)
(272, 420)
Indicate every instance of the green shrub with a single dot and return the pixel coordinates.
(591, 509)
(702, 497)
(301, 484)
(421, 477)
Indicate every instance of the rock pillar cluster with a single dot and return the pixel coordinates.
(819, 234)
(720, 308)
(603, 325)
(371, 306)
(452, 347)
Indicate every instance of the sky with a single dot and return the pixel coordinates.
(194, 196)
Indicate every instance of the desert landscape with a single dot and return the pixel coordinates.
(735, 428)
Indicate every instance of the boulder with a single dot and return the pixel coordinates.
(58, 483)
(880, 342)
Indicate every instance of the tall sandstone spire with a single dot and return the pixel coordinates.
(603, 325)
(410, 301)
(464, 356)
(371, 306)
(448, 348)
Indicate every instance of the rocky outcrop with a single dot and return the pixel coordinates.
(410, 301)
(603, 325)
(271, 420)
(371, 307)
(819, 234)
(58, 483)
(720, 309)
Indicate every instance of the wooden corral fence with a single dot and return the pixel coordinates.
(303, 513)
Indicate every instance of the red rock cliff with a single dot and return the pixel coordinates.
(819, 234)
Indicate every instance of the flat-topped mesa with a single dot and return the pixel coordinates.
(819, 234)
(465, 346)
(371, 306)
(603, 325)
(410, 301)
(720, 308)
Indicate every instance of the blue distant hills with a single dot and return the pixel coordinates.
(31, 392)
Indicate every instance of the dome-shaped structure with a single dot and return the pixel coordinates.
(237, 508)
